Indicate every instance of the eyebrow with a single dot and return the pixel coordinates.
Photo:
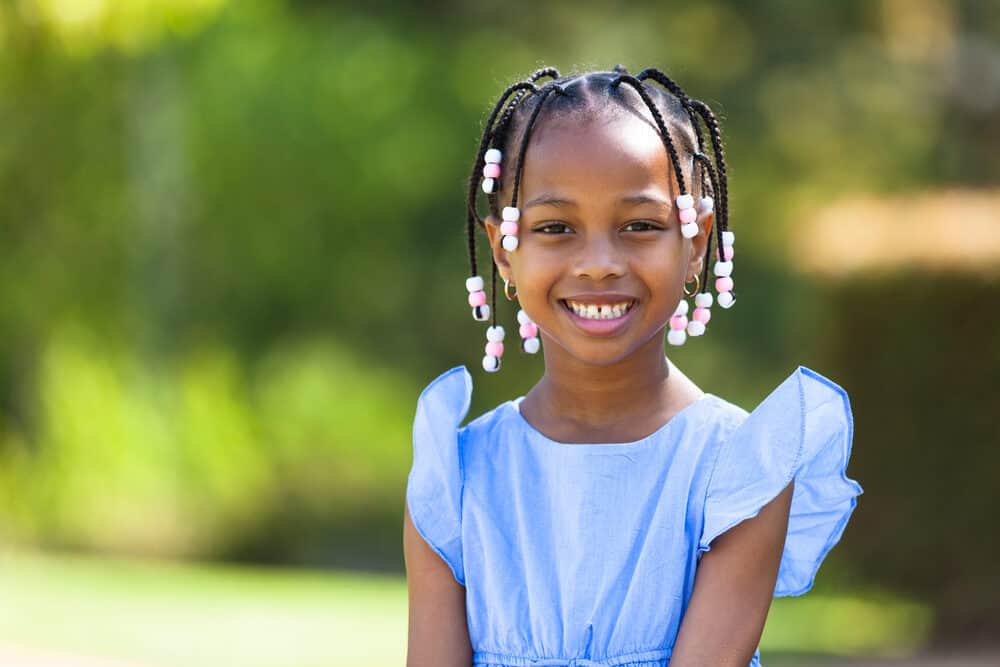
(547, 199)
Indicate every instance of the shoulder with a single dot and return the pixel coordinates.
(446, 400)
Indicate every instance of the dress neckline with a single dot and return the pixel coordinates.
(678, 417)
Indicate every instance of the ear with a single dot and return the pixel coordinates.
(500, 256)
(699, 243)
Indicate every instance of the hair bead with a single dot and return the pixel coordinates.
(723, 269)
(481, 313)
(696, 328)
(477, 298)
(495, 334)
(508, 228)
(474, 284)
(491, 364)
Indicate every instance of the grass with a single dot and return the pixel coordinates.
(163, 614)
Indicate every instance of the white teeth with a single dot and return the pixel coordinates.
(600, 312)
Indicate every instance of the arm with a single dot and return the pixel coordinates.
(733, 589)
(438, 632)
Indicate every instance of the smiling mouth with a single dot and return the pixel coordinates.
(603, 311)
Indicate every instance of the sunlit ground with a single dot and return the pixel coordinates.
(136, 613)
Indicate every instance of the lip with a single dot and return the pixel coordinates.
(608, 327)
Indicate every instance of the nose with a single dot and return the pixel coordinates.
(599, 258)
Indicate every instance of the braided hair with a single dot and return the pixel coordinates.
(678, 118)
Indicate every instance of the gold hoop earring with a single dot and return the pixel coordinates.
(506, 290)
(697, 286)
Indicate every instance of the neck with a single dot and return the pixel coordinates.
(597, 396)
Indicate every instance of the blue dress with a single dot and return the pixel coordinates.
(584, 555)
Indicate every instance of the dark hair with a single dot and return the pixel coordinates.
(678, 119)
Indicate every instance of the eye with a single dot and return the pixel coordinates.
(552, 228)
(642, 226)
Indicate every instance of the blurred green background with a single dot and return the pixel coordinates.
(233, 253)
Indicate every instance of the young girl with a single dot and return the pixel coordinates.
(617, 514)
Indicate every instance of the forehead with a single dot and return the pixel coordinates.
(598, 157)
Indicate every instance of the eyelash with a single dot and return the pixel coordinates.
(544, 229)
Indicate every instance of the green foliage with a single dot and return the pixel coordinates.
(192, 457)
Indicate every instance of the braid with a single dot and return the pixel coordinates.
(472, 216)
(500, 130)
(720, 158)
(673, 87)
(696, 109)
(706, 167)
(664, 133)
(543, 93)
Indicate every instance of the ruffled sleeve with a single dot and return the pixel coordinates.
(802, 431)
(434, 485)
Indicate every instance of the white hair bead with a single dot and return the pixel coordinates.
(491, 364)
(489, 184)
(495, 334)
(522, 317)
(726, 299)
(511, 213)
(481, 313)
(531, 345)
(707, 204)
(682, 307)
(723, 269)
(728, 238)
(509, 243)
(685, 201)
(493, 155)
(696, 328)
(474, 284)
(689, 230)
(703, 299)
(676, 336)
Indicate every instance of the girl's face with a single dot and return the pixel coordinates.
(598, 228)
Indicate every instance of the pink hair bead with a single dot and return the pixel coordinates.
(491, 170)
(528, 330)
(494, 348)
(727, 250)
(688, 215)
(724, 284)
(477, 298)
(678, 322)
(508, 228)
(702, 314)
